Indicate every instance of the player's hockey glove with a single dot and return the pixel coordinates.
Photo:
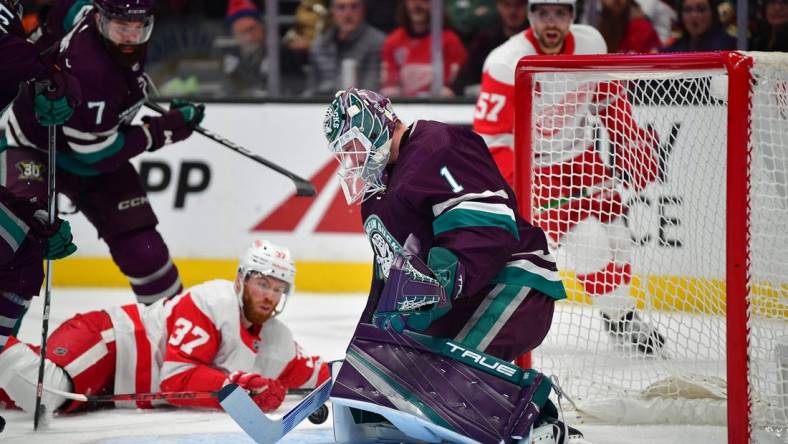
(57, 237)
(416, 294)
(267, 393)
(175, 125)
(56, 97)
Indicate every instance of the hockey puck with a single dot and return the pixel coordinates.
(320, 415)
(2, 424)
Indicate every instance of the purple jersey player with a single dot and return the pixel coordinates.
(105, 51)
(26, 65)
(25, 236)
(458, 273)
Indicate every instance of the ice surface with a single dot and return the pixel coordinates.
(323, 324)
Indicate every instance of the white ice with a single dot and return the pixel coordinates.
(323, 324)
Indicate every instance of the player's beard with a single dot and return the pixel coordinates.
(127, 55)
(552, 45)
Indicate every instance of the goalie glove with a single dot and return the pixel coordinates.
(416, 294)
(267, 393)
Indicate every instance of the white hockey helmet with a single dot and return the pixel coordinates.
(572, 3)
(270, 260)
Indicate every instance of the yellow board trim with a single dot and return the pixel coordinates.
(667, 293)
(690, 295)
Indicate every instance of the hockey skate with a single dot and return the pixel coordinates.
(553, 431)
(630, 329)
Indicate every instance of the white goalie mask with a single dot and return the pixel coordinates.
(269, 260)
(359, 125)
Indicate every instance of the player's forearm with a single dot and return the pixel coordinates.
(198, 378)
(130, 142)
(481, 263)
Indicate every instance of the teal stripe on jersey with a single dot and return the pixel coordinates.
(110, 150)
(67, 162)
(73, 12)
(492, 314)
(518, 276)
(12, 229)
(462, 218)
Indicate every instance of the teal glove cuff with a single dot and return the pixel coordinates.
(52, 111)
(60, 244)
(447, 269)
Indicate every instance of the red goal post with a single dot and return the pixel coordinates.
(736, 100)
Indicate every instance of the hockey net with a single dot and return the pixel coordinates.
(671, 171)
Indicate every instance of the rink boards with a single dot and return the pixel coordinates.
(211, 202)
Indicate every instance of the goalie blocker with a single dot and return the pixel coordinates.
(416, 387)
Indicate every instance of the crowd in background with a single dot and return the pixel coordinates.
(213, 48)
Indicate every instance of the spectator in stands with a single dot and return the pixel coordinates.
(701, 28)
(659, 12)
(348, 53)
(513, 19)
(626, 29)
(468, 17)
(246, 65)
(771, 33)
(407, 58)
(310, 20)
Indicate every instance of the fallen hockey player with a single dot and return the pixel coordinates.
(212, 334)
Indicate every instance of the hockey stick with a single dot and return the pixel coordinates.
(167, 396)
(52, 206)
(303, 186)
(261, 428)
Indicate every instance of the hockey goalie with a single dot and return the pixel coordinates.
(462, 285)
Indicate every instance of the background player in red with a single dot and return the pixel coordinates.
(211, 334)
(573, 185)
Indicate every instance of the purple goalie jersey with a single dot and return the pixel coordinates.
(447, 191)
(99, 136)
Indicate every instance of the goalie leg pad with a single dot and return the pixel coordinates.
(440, 383)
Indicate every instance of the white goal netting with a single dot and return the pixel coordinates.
(629, 180)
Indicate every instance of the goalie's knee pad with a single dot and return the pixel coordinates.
(433, 389)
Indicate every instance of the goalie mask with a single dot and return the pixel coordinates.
(359, 125)
(267, 259)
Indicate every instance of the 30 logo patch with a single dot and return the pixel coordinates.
(30, 170)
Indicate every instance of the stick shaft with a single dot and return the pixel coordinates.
(303, 186)
(52, 206)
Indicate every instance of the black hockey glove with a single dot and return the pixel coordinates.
(175, 125)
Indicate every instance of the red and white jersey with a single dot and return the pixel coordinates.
(194, 340)
(494, 114)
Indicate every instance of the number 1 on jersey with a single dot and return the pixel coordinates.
(455, 187)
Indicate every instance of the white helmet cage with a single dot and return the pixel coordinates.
(270, 260)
